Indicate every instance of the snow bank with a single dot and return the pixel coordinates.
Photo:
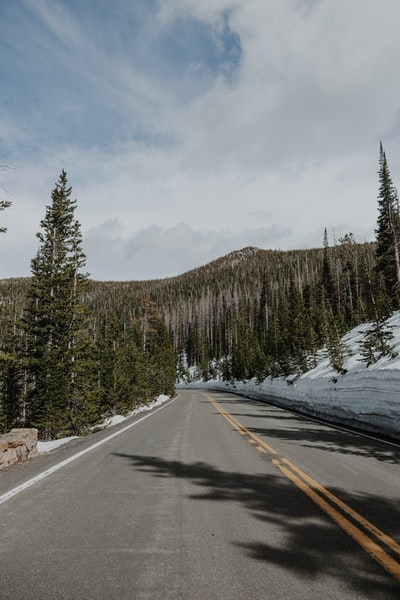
(364, 397)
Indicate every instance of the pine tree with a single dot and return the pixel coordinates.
(298, 333)
(261, 321)
(388, 233)
(157, 373)
(163, 361)
(347, 253)
(54, 316)
(337, 349)
(376, 342)
(121, 373)
(247, 358)
(326, 276)
(273, 341)
(84, 400)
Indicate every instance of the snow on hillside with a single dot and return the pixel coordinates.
(364, 397)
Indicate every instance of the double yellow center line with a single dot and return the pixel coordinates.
(369, 537)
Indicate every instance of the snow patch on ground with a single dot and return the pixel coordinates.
(45, 447)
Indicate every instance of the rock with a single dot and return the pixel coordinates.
(18, 445)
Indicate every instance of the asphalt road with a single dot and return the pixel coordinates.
(211, 497)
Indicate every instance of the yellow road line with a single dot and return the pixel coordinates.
(390, 542)
(317, 492)
(387, 562)
(239, 427)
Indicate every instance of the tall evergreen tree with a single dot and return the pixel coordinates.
(54, 316)
(328, 287)
(299, 332)
(388, 233)
(377, 339)
(247, 358)
(347, 252)
(164, 361)
(261, 321)
(120, 365)
(157, 374)
(336, 348)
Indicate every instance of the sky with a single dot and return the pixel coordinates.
(192, 129)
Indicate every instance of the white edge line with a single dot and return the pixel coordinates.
(67, 461)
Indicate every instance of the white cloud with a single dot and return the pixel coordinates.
(175, 164)
(307, 84)
(161, 252)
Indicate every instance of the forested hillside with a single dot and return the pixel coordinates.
(253, 313)
(267, 311)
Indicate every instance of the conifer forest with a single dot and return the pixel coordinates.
(74, 350)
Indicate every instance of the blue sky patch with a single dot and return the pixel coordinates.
(77, 67)
(191, 42)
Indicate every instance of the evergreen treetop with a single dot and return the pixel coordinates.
(388, 233)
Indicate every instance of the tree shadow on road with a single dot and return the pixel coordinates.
(331, 440)
(314, 545)
(301, 429)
